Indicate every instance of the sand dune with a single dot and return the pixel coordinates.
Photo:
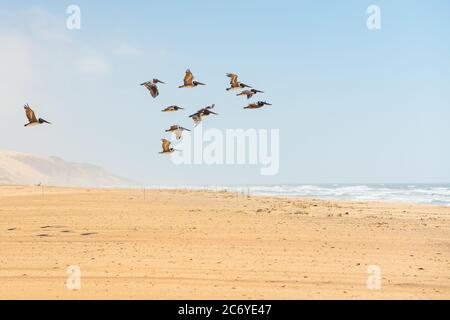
(24, 168)
(177, 244)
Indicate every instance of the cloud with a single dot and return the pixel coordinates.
(15, 70)
(93, 63)
(37, 52)
(127, 50)
(47, 27)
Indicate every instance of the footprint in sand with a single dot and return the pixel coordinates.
(88, 233)
(57, 227)
(43, 235)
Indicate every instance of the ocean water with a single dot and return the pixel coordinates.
(436, 194)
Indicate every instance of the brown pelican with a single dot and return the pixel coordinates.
(172, 109)
(257, 105)
(152, 86)
(200, 114)
(177, 130)
(189, 80)
(32, 121)
(166, 147)
(249, 93)
(235, 85)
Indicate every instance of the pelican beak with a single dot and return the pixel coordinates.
(268, 104)
(202, 84)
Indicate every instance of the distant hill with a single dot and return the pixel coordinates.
(22, 168)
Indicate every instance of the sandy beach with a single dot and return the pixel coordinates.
(180, 244)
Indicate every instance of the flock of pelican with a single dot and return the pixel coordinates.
(197, 117)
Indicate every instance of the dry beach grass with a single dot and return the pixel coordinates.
(180, 244)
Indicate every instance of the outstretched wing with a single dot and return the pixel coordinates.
(30, 114)
(233, 77)
(207, 110)
(165, 145)
(152, 88)
(195, 114)
(188, 78)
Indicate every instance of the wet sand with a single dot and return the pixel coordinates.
(179, 244)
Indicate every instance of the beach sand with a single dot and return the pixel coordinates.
(180, 244)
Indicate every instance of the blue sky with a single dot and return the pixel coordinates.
(352, 105)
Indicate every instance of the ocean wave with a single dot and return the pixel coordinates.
(414, 193)
(425, 194)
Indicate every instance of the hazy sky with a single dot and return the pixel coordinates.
(352, 104)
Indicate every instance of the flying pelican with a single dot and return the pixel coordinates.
(166, 147)
(172, 109)
(249, 93)
(189, 80)
(177, 130)
(202, 113)
(152, 87)
(257, 105)
(32, 121)
(235, 85)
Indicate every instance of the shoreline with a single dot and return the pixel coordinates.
(180, 244)
(226, 190)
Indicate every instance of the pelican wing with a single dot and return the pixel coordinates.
(233, 80)
(188, 78)
(153, 90)
(195, 114)
(30, 114)
(165, 145)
